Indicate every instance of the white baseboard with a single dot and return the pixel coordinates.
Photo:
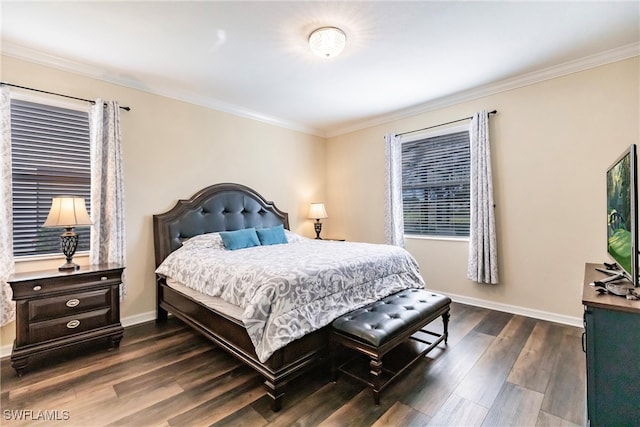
(5, 350)
(522, 311)
(136, 319)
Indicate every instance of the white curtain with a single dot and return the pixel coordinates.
(483, 252)
(6, 210)
(394, 218)
(107, 189)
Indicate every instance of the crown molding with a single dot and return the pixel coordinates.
(570, 67)
(38, 57)
(607, 57)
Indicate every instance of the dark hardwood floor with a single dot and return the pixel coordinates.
(498, 369)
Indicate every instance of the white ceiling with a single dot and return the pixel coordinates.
(252, 58)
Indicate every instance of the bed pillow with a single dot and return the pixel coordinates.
(293, 237)
(272, 236)
(240, 239)
(208, 240)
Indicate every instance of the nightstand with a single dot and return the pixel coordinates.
(57, 309)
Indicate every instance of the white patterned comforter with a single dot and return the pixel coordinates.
(292, 289)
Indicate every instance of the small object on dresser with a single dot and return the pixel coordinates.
(620, 289)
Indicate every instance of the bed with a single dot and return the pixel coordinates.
(254, 321)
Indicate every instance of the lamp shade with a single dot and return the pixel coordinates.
(67, 211)
(327, 42)
(317, 211)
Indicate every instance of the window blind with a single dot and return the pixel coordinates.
(435, 185)
(50, 154)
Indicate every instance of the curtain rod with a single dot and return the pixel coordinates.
(57, 94)
(443, 124)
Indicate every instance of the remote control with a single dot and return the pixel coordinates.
(604, 270)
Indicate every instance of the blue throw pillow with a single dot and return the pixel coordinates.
(272, 236)
(240, 239)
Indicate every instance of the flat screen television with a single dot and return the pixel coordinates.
(622, 214)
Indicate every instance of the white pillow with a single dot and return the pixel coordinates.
(208, 240)
(293, 237)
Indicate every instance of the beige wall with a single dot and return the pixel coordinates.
(551, 144)
(171, 150)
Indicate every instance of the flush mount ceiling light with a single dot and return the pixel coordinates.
(327, 42)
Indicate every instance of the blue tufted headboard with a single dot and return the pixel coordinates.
(220, 207)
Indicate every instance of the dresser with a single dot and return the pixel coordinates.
(612, 344)
(56, 309)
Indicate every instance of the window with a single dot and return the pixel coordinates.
(50, 154)
(435, 185)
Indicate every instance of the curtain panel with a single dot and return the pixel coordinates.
(107, 187)
(483, 251)
(6, 210)
(394, 216)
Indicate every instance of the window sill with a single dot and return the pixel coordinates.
(47, 257)
(47, 262)
(445, 238)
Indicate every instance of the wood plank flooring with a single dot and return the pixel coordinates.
(498, 369)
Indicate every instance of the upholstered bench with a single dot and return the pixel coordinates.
(378, 328)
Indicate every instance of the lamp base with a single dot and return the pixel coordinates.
(318, 228)
(69, 266)
(68, 244)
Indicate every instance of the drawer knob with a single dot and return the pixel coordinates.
(72, 302)
(103, 278)
(72, 324)
(37, 288)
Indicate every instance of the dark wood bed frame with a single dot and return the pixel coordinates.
(227, 207)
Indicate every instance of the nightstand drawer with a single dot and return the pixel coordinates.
(63, 283)
(69, 325)
(67, 305)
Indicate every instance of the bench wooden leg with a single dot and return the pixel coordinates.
(375, 370)
(445, 323)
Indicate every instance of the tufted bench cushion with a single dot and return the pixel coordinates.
(379, 327)
(382, 320)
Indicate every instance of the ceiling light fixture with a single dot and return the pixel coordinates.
(327, 42)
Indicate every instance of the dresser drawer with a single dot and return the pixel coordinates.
(67, 305)
(63, 283)
(69, 325)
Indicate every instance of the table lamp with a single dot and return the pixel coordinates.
(317, 211)
(68, 212)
